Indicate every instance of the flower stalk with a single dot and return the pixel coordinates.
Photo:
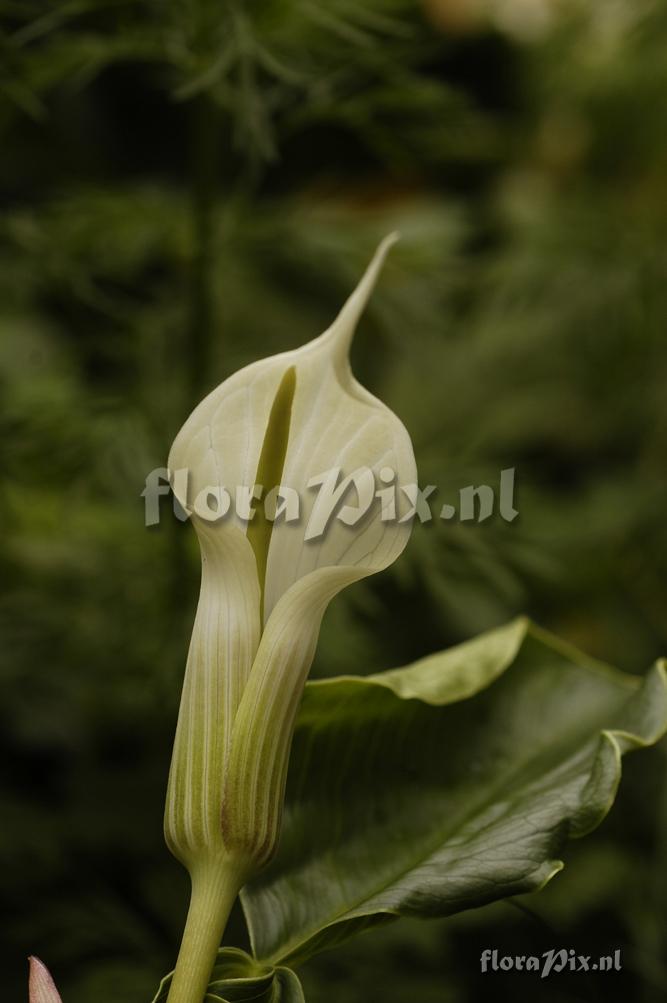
(215, 886)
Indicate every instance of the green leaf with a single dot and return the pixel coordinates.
(402, 802)
(238, 978)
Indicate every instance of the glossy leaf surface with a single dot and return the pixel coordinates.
(446, 785)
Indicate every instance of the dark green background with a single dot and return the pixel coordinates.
(191, 185)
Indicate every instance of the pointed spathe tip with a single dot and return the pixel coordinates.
(388, 242)
(41, 987)
(342, 330)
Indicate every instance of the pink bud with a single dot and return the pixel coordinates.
(41, 986)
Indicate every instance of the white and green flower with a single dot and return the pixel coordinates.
(265, 587)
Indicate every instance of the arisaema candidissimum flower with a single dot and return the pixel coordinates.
(293, 431)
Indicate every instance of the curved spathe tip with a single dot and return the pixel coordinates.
(341, 332)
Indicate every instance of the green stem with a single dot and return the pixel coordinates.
(214, 891)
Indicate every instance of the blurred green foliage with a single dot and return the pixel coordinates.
(190, 186)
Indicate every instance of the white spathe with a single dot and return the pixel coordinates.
(255, 632)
